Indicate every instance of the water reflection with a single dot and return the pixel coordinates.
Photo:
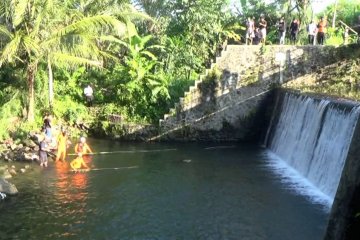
(71, 193)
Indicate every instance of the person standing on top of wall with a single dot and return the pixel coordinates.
(257, 36)
(262, 27)
(88, 91)
(322, 25)
(250, 24)
(311, 29)
(282, 30)
(294, 30)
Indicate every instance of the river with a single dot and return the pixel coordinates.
(170, 191)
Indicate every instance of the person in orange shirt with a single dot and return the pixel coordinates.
(78, 163)
(62, 142)
(322, 25)
(82, 147)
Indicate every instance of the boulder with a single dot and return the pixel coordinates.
(29, 143)
(30, 157)
(10, 156)
(6, 175)
(13, 146)
(12, 171)
(8, 188)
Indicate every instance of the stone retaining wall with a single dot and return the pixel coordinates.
(225, 109)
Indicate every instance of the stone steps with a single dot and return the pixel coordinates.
(192, 89)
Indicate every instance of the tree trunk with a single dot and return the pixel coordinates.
(31, 71)
(51, 84)
(334, 16)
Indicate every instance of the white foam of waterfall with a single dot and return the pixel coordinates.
(312, 137)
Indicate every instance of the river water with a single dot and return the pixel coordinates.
(170, 191)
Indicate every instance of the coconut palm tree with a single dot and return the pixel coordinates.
(34, 31)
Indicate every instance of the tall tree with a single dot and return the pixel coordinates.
(32, 33)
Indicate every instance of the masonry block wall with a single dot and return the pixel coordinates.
(231, 108)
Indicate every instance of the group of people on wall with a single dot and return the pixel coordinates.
(56, 143)
(256, 32)
(316, 32)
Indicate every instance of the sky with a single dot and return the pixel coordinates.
(319, 5)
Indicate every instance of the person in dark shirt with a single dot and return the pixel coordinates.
(262, 27)
(282, 30)
(257, 37)
(294, 30)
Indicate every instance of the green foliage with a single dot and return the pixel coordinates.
(69, 110)
(9, 115)
(70, 83)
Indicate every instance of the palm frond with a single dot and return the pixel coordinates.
(71, 61)
(113, 39)
(93, 24)
(10, 50)
(19, 11)
(5, 32)
(30, 45)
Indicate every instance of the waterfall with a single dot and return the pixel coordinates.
(312, 137)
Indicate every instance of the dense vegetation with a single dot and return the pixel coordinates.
(139, 56)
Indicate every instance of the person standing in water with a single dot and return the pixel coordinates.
(78, 164)
(62, 142)
(43, 150)
(82, 147)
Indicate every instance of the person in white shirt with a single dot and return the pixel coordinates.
(312, 30)
(88, 91)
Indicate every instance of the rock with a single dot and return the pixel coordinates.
(27, 166)
(8, 188)
(10, 156)
(20, 146)
(27, 149)
(187, 160)
(13, 146)
(6, 175)
(2, 196)
(12, 171)
(36, 148)
(35, 157)
(30, 157)
(13, 166)
(29, 143)
(22, 170)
